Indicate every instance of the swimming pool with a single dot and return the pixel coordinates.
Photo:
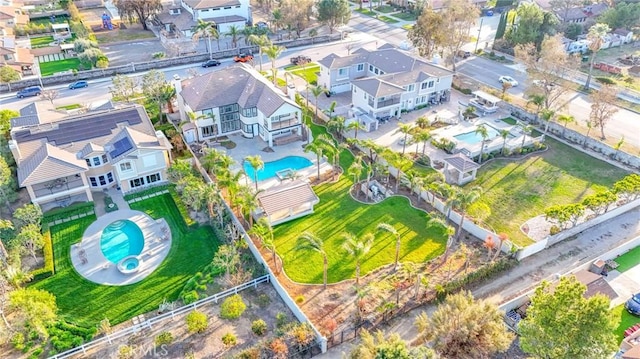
(271, 168)
(472, 137)
(121, 239)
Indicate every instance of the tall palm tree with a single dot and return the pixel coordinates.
(356, 170)
(484, 133)
(355, 126)
(316, 91)
(331, 110)
(538, 100)
(422, 136)
(257, 164)
(412, 179)
(317, 146)
(406, 130)
(386, 227)
(203, 28)
(547, 115)
(504, 134)
(273, 52)
(565, 119)
(462, 200)
(262, 229)
(338, 125)
(235, 34)
(213, 33)
(596, 37)
(249, 202)
(449, 231)
(357, 248)
(309, 241)
(422, 122)
(526, 130)
(247, 32)
(260, 41)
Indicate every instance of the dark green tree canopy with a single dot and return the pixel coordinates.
(333, 13)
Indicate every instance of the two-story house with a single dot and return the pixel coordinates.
(386, 81)
(18, 58)
(237, 99)
(63, 161)
(180, 17)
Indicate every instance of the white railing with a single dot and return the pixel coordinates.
(160, 318)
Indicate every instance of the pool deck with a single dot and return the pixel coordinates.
(98, 269)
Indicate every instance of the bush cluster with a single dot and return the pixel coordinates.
(229, 339)
(164, 338)
(47, 248)
(483, 273)
(232, 307)
(259, 327)
(197, 322)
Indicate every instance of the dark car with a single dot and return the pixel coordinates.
(262, 25)
(211, 63)
(633, 304)
(300, 60)
(78, 85)
(29, 91)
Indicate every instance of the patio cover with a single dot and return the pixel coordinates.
(487, 97)
(461, 162)
(286, 196)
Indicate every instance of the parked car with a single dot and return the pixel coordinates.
(542, 83)
(210, 63)
(78, 85)
(633, 304)
(243, 58)
(29, 91)
(262, 25)
(300, 60)
(509, 80)
(464, 54)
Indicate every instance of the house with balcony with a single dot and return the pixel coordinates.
(180, 16)
(386, 81)
(237, 100)
(63, 161)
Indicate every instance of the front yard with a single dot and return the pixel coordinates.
(308, 72)
(626, 320)
(628, 260)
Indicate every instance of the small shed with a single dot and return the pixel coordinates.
(486, 103)
(460, 169)
(286, 201)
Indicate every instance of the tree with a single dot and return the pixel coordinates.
(356, 169)
(422, 136)
(544, 334)
(333, 13)
(599, 203)
(317, 146)
(355, 126)
(257, 164)
(124, 87)
(5, 121)
(316, 91)
(8, 74)
(565, 119)
(530, 18)
(337, 124)
(8, 191)
(484, 133)
(462, 327)
(458, 16)
(203, 28)
(526, 130)
(563, 6)
(16, 276)
(357, 249)
(138, 10)
(264, 232)
(595, 36)
(625, 15)
(296, 14)
(505, 86)
(428, 33)
(462, 200)
(6, 234)
(628, 188)
(235, 34)
(386, 227)
(227, 258)
(504, 134)
(27, 214)
(406, 129)
(376, 346)
(309, 241)
(50, 95)
(82, 45)
(154, 87)
(35, 308)
(273, 52)
(603, 107)
(261, 41)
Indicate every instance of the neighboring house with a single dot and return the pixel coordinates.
(624, 35)
(13, 15)
(616, 38)
(237, 99)
(386, 81)
(581, 14)
(63, 161)
(18, 58)
(179, 18)
(578, 46)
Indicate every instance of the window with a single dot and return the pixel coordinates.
(109, 177)
(126, 166)
(371, 68)
(410, 88)
(153, 178)
(96, 161)
(93, 181)
(136, 182)
(227, 7)
(104, 159)
(208, 131)
(230, 122)
(376, 71)
(250, 112)
(229, 108)
(88, 162)
(207, 113)
(103, 180)
(431, 84)
(343, 72)
(360, 67)
(247, 128)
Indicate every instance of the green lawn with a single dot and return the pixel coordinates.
(86, 303)
(626, 320)
(517, 190)
(41, 41)
(407, 27)
(406, 16)
(385, 9)
(73, 106)
(366, 12)
(51, 67)
(309, 73)
(387, 19)
(336, 213)
(628, 260)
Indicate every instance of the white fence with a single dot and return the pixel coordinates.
(149, 323)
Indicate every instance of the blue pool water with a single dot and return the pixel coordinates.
(472, 137)
(120, 239)
(270, 168)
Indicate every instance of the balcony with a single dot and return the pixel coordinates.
(284, 123)
(384, 103)
(57, 186)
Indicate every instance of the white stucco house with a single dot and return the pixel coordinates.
(180, 16)
(237, 99)
(62, 162)
(386, 81)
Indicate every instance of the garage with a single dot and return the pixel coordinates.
(341, 87)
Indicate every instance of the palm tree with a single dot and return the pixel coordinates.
(566, 119)
(356, 170)
(422, 122)
(260, 41)
(538, 100)
(273, 52)
(412, 179)
(316, 91)
(504, 134)
(264, 232)
(405, 129)
(386, 227)
(257, 164)
(484, 133)
(331, 110)
(355, 126)
(202, 28)
(462, 200)
(317, 146)
(247, 32)
(423, 136)
(589, 128)
(337, 124)
(357, 248)
(526, 130)
(214, 34)
(448, 230)
(468, 112)
(549, 116)
(308, 241)
(235, 34)
(596, 37)
(276, 19)
(249, 202)
(16, 277)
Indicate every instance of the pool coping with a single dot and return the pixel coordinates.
(98, 269)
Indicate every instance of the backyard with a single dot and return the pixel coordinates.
(626, 320)
(517, 190)
(86, 303)
(52, 67)
(336, 213)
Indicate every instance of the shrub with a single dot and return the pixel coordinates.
(17, 340)
(251, 353)
(229, 339)
(279, 348)
(48, 269)
(164, 338)
(281, 320)
(125, 352)
(263, 300)
(605, 80)
(259, 327)
(302, 334)
(554, 230)
(300, 299)
(232, 307)
(158, 55)
(197, 322)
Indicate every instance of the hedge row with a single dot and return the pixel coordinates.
(48, 270)
(483, 273)
(147, 192)
(66, 212)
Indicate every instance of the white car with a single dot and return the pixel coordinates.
(508, 80)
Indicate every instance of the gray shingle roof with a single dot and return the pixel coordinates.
(461, 162)
(30, 109)
(334, 61)
(236, 84)
(206, 4)
(90, 148)
(49, 162)
(285, 196)
(376, 87)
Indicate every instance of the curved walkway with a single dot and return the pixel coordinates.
(98, 269)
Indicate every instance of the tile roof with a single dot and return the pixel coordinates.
(207, 4)
(377, 87)
(285, 196)
(461, 162)
(239, 84)
(49, 162)
(633, 353)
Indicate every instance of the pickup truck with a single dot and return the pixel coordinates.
(243, 58)
(300, 60)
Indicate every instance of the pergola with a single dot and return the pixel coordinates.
(485, 102)
(460, 169)
(61, 31)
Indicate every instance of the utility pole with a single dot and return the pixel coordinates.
(479, 30)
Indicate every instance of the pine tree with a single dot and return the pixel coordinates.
(502, 26)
